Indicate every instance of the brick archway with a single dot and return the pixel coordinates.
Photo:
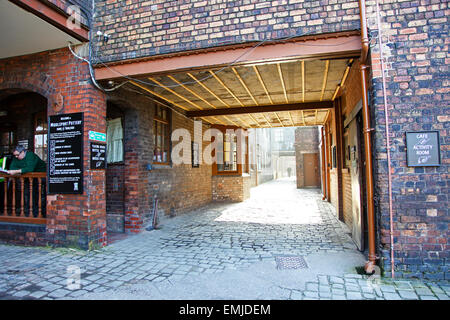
(37, 82)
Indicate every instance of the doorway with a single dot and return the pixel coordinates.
(115, 171)
(311, 169)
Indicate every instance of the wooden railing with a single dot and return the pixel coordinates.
(23, 198)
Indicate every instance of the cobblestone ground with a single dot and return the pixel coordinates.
(222, 251)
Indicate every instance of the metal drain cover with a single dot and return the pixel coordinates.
(290, 262)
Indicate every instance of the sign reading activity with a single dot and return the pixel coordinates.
(423, 149)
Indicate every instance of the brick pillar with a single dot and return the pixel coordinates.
(78, 220)
(72, 219)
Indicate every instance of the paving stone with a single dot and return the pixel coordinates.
(428, 297)
(387, 288)
(325, 294)
(78, 293)
(352, 288)
(369, 296)
(406, 294)
(442, 296)
(21, 293)
(312, 286)
(324, 288)
(323, 280)
(38, 294)
(436, 289)
(337, 286)
(403, 285)
(336, 280)
(354, 296)
(59, 293)
(296, 295)
(94, 277)
(367, 289)
(391, 296)
(424, 291)
(311, 294)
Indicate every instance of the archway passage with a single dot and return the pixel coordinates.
(282, 87)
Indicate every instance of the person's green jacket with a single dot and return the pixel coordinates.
(30, 163)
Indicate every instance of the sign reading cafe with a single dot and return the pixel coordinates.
(65, 154)
(423, 149)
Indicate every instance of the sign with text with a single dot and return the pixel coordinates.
(98, 156)
(65, 153)
(422, 149)
(97, 136)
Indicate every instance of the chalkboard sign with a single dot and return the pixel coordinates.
(423, 149)
(65, 153)
(98, 156)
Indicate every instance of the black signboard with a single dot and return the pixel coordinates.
(98, 156)
(423, 149)
(65, 153)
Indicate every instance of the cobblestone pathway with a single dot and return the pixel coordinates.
(222, 251)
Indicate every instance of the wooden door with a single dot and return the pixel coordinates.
(311, 169)
(356, 173)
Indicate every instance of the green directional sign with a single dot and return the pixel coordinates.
(97, 136)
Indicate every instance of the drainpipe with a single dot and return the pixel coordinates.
(370, 265)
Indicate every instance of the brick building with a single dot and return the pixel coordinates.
(367, 76)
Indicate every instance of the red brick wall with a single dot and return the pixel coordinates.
(231, 188)
(77, 220)
(182, 188)
(415, 49)
(179, 188)
(146, 28)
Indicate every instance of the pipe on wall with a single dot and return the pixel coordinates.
(388, 144)
(370, 265)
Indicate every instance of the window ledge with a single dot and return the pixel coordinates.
(234, 175)
(157, 166)
(115, 163)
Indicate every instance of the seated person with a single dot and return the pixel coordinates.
(23, 162)
(26, 161)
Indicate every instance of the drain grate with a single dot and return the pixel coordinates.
(291, 262)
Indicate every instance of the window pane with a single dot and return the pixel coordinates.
(38, 142)
(227, 153)
(40, 124)
(44, 154)
(161, 135)
(162, 140)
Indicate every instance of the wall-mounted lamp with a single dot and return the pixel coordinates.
(103, 36)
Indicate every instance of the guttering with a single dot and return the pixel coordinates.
(370, 265)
